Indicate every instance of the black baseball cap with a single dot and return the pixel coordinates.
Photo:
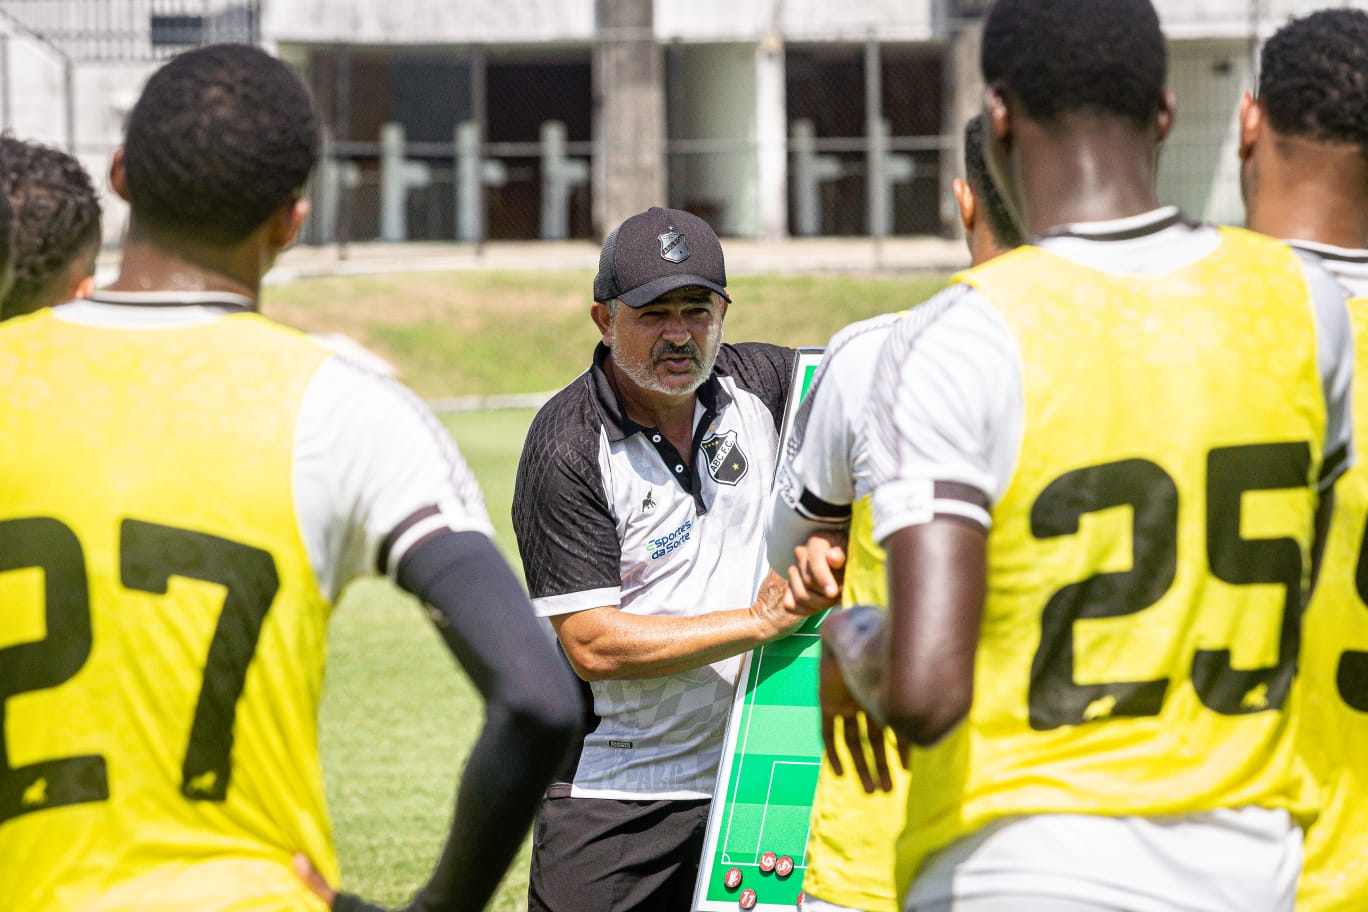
(655, 252)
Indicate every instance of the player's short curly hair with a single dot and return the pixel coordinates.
(990, 201)
(56, 214)
(1062, 56)
(1313, 77)
(221, 137)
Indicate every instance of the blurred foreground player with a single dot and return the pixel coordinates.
(58, 216)
(1304, 149)
(1104, 461)
(194, 486)
(821, 502)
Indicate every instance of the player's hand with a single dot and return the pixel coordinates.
(838, 704)
(818, 570)
(850, 687)
(339, 902)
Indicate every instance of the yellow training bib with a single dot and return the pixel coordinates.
(162, 635)
(1334, 672)
(1148, 561)
(853, 835)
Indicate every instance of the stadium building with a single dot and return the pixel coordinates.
(470, 120)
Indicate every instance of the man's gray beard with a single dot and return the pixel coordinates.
(644, 376)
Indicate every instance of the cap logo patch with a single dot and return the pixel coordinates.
(673, 247)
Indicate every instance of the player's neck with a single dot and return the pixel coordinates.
(152, 263)
(1092, 169)
(1313, 203)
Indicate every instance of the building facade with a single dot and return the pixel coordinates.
(470, 120)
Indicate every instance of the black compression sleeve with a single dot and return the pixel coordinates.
(532, 710)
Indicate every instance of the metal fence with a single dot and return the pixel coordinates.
(472, 142)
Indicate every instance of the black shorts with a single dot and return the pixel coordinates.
(605, 855)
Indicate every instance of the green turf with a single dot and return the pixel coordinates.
(398, 717)
(479, 333)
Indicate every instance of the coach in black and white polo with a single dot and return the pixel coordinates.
(640, 511)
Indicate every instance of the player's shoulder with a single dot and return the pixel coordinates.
(958, 311)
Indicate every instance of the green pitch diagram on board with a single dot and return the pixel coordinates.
(770, 758)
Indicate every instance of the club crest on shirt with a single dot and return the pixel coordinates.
(726, 462)
(673, 247)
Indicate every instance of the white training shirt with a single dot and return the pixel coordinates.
(825, 468)
(374, 473)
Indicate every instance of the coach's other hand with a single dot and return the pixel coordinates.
(774, 607)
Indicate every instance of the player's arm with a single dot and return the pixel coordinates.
(605, 642)
(406, 505)
(532, 714)
(936, 461)
(810, 507)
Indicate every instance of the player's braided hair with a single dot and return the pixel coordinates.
(221, 138)
(1062, 56)
(990, 201)
(1313, 78)
(56, 215)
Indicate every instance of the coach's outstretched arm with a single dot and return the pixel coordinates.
(532, 714)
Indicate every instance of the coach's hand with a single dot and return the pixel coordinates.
(818, 570)
(775, 609)
(338, 902)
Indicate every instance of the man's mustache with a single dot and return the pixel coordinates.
(670, 350)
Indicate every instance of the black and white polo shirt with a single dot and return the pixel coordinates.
(607, 513)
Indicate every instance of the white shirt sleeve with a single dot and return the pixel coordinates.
(1335, 360)
(375, 474)
(821, 469)
(946, 415)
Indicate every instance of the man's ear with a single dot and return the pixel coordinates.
(598, 312)
(287, 222)
(968, 203)
(1251, 125)
(118, 178)
(84, 289)
(999, 118)
(1168, 110)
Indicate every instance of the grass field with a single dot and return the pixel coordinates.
(398, 717)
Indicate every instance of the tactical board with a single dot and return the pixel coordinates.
(771, 754)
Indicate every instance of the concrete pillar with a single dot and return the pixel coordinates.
(629, 100)
(771, 112)
(963, 99)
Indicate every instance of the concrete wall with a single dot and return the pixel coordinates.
(712, 96)
(34, 98)
(424, 22)
(795, 20)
